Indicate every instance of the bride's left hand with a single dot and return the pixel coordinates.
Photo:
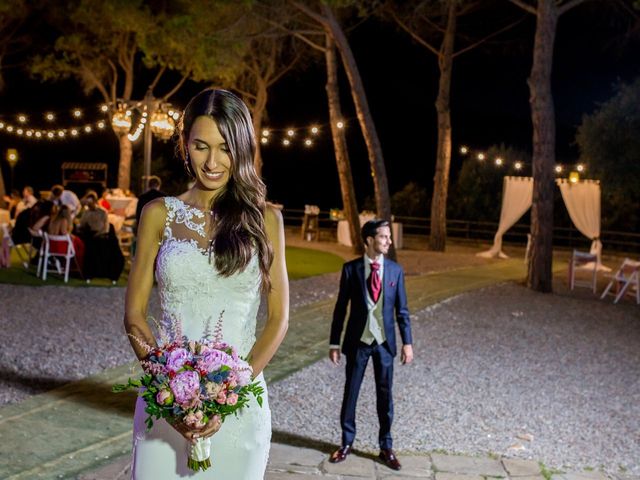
(208, 430)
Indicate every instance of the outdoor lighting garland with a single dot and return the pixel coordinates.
(161, 122)
(32, 132)
(517, 165)
(306, 135)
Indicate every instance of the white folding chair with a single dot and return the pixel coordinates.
(46, 253)
(627, 276)
(583, 261)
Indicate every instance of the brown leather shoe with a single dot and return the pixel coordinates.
(389, 458)
(340, 455)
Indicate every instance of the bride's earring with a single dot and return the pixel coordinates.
(187, 166)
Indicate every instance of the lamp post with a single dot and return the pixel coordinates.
(12, 159)
(156, 118)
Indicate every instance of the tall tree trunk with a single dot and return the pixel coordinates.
(340, 146)
(124, 167)
(258, 114)
(374, 149)
(544, 139)
(438, 236)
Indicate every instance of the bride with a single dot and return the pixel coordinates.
(215, 248)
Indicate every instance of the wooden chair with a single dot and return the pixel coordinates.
(626, 277)
(583, 261)
(310, 229)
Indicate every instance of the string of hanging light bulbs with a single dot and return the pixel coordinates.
(518, 165)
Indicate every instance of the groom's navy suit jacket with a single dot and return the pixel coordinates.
(353, 290)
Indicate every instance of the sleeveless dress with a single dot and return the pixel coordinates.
(191, 290)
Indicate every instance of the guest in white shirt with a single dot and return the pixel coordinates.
(28, 198)
(60, 196)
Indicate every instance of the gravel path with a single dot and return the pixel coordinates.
(54, 335)
(502, 370)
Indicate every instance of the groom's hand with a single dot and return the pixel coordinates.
(406, 356)
(334, 356)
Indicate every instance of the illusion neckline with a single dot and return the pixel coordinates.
(185, 204)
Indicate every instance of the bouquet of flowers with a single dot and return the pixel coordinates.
(192, 381)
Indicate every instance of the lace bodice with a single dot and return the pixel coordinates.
(191, 289)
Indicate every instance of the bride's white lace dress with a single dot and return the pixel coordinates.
(191, 290)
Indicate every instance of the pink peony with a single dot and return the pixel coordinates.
(186, 387)
(232, 399)
(213, 360)
(164, 397)
(177, 358)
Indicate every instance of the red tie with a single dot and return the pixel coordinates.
(373, 282)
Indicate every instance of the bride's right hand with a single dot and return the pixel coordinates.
(192, 434)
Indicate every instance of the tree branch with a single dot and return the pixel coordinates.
(285, 70)
(307, 11)
(298, 35)
(157, 79)
(415, 36)
(176, 88)
(482, 40)
(525, 6)
(569, 6)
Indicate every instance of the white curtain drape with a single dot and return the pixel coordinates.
(517, 195)
(582, 200)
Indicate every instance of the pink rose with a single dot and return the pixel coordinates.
(232, 399)
(212, 389)
(186, 387)
(222, 397)
(164, 397)
(177, 358)
(195, 420)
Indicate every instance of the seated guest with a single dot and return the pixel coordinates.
(12, 203)
(40, 215)
(94, 220)
(27, 201)
(103, 202)
(154, 192)
(60, 196)
(28, 198)
(61, 224)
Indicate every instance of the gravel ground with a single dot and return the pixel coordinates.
(54, 335)
(502, 370)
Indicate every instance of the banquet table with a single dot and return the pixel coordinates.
(123, 206)
(345, 239)
(117, 221)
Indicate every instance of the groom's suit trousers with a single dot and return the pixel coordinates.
(383, 371)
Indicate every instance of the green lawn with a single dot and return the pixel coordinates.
(301, 263)
(304, 262)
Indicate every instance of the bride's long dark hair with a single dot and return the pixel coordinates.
(238, 212)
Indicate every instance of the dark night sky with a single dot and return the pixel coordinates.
(489, 106)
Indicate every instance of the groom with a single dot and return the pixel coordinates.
(374, 285)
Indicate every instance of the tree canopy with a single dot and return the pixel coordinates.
(609, 142)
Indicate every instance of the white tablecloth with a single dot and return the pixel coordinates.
(345, 239)
(117, 221)
(123, 206)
